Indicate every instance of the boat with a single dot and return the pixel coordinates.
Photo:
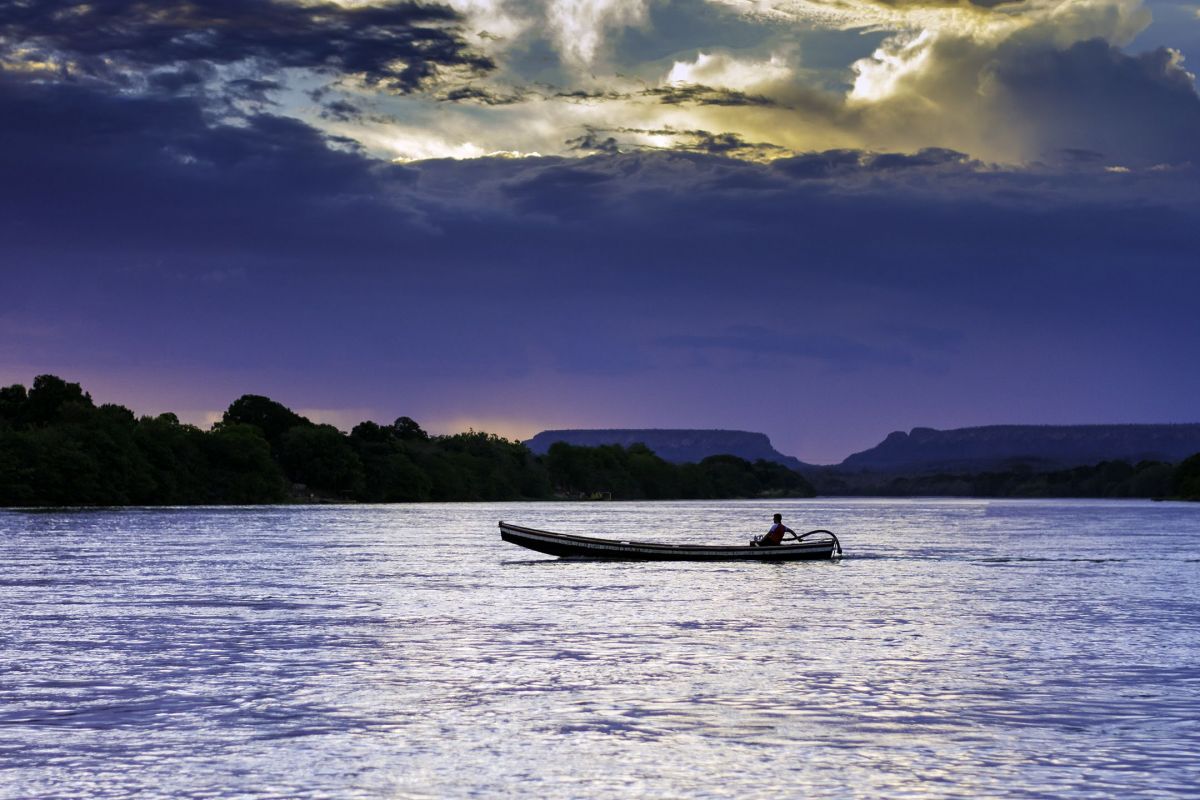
(822, 545)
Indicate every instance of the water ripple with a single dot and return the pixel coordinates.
(960, 649)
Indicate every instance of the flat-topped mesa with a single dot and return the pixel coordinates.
(678, 446)
(1038, 446)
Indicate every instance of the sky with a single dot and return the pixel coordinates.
(824, 220)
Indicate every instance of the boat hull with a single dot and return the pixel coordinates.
(569, 546)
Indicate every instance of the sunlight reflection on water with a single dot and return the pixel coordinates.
(961, 649)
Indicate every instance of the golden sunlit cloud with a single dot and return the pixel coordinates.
(936, 79)
(726, 72)
(562, 78)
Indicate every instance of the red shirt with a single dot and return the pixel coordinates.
(775, 535)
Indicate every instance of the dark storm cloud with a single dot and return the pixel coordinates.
(698, 95)
(595, 141)
(561, 190)
(1093, 97)
(482, 96)
(834, 163)
(690, 94)
(927, 157)
(341, 110)
(177, 81)
(395, 46)
(820, 165)
(151, 171)
(252, 90)
(585, 96)
(158, 240)
(728, 145)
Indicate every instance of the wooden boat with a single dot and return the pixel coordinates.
(821, 546)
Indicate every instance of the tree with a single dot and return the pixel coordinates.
(58, 448)
(777, 480)
(17, 469)
(1153, 479)
(406, 429)
(12, 405)
(320, 457)
(576, 470)
(729, 476)
(492, 467)
(177, 456)
(394, 478)
(241, 468)
(1187, 479)
(272, 418)
(656, 478)
(49, 397)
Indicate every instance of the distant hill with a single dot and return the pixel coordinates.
(1039, 446)
(679, 446)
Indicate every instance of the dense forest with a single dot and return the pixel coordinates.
(58, 448)
(1147, 479)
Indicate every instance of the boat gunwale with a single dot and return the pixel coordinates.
(624, 544)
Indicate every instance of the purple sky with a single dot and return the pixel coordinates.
(821, 230)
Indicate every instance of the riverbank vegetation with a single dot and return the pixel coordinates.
(1113, 479)
(58, 448)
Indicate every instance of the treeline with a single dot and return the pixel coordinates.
(1113, 479)
(58, 448)
(637, 473)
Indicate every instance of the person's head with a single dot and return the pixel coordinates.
(778, 517)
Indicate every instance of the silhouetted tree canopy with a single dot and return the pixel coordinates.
(1187, 479)
(1106, 479)
(319, 456)
(51, 398)
(406, 428)
(58, 448)
(636, 473)
(271, 418)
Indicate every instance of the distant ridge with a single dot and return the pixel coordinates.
(679, 446)
(1039, 446)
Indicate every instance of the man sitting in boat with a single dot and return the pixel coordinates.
(773, 537)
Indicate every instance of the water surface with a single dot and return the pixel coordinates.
(962, 648)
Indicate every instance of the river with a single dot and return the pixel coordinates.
(961, 648)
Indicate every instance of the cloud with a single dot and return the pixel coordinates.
(1006, 82)
(695, 94)
(482, 96)
(394, 46)
(170, 248)
(580, 25)
(1043, 81)
(726, 72)
(1014, 83)
(728, 145)
(1139, 109)
(626, 140)
(264, 183)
